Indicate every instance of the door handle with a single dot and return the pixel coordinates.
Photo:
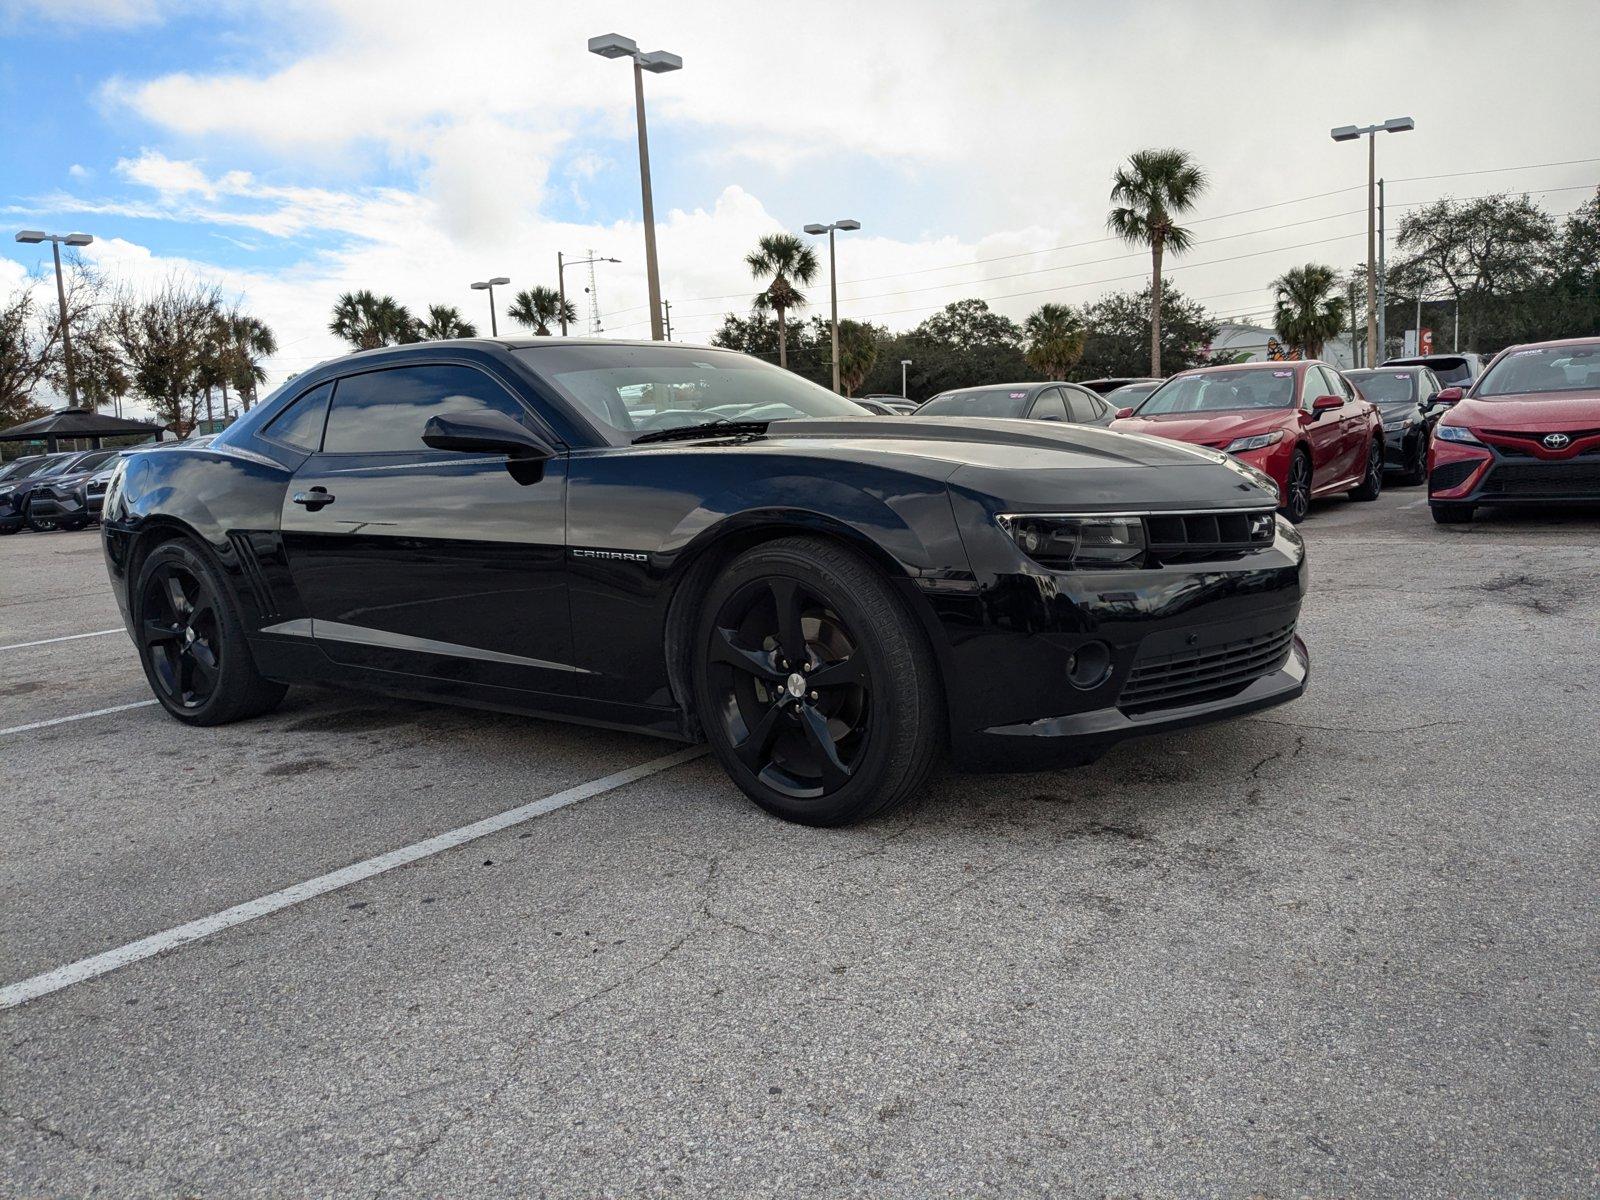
(316, 498)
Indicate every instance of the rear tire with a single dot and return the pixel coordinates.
(815, 685)
(1371, 485)
(1452, 514)
(192, 642)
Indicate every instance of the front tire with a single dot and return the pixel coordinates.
(1452, 514)
(815, 685)
(1417, 472)
(192, 643)
(1297, 493)
(1371, 485)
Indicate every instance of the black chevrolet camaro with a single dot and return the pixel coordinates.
(696, 544)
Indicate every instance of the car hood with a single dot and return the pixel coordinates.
(1214, 429)
(1538, 413)
(1026, 463)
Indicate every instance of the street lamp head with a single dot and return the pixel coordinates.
(660, 61)
(905, 362)
(32, 236)
(847, 224)
(480, 287)
(613, 45)
(1399, 125)
(1345, 133)
(816, 228)
(615, 260)
(498, 280)
(79, 239)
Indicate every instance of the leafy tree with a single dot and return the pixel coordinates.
(1155, 188)
(539, 308)
(165, 342)
(858, 351)
(972, 323)
(1309, 310)
(367, 321)
(965, 344)
(1119, 328)
(787, 261)
(444, 321)
(27, 348)
(1056, 336)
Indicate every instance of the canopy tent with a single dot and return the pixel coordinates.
(77, 423)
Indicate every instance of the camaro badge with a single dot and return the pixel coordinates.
(612, 555)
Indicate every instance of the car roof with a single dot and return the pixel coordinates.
(1268, 365)
(1557, 344)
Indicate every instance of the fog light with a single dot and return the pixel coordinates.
(1090, 665)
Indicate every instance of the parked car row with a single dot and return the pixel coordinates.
(65, 490)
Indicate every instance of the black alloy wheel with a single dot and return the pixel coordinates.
(1417, 470)
(1371, 485)
(816, 688)
(192, 644)
(1299, 489)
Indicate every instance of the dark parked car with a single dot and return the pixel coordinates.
(878, 409)
(1033, 401)
(54, 503)
(1407, 398)
(1452, 370)
(1527, 432)
(1130, 395)
(1102, 387)
(12, 474)
(899, 403)
(693, 543)
(17, 494)
(1301, 423)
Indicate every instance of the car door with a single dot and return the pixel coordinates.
(448, 564)
(1354, 417)
(1048, 406)
(1325, 432)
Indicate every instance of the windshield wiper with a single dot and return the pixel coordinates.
(703, 429)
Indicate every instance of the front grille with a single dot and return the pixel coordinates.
(1543, 479)
(1196, 676)
(1452, 475)
(1577, 435)
(1174, 537)
(1528, 452)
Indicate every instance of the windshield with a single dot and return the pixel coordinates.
(59, 465)
(1543, 369)
(630, 390)
(1129, 395)
(23, 469)
(979, 402)
(1221, 391)
(1385, 387)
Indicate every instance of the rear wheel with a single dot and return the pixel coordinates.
(1371, 484)
(192, 642)
(1452, 514)
(1297, 500)
(816, 687)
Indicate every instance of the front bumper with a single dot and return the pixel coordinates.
(55, 506)
(1461, 473)
(1399, 449)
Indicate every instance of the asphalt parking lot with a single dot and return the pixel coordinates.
(1350, 946)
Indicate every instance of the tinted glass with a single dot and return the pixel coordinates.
(59, 466)
(1543, 369)
(979, 402)
(1455, 372)
(384, 411)
(1081, 405)
(90, 461)
(629, 390)
(22, 469)
(1131, 395)
(1386, 387)
(1049, 407)
(1222, 391)
(300, 425)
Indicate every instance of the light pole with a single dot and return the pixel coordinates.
(833, 283)
(904, 363)
(33, 237)
(1349, 133)
(488, 285)
(614, 45)
(561, 280)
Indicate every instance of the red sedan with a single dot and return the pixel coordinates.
(1528, 431)
(1302, 423)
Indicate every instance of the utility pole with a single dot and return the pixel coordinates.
(1383, 322)
(1355, 354)
(904, 363)
(666, 312)
(34, 237)
(1349, 133)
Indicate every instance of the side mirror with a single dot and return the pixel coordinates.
(1123, 413)
(1324, 404)
(483, 433)
(1449, 395)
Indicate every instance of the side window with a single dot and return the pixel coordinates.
(1049, 406)
(1318, 384)
(300, 425)
(1081, 405)
(381, 412)
(1342, 386)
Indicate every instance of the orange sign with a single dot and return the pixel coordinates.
(1425, 342)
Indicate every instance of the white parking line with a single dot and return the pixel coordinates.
(71, 637)
(99, 712)
(53, 981)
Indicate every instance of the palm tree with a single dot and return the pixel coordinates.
(1056, 335)
(444, 321)
(1154, 188)
(787, 260)
(367, 321)
(858, 353)
(538, 308)
(1309, 308)
(249, 341)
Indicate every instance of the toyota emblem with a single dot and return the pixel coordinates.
(1556, 441)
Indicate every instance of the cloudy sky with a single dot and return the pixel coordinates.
(292, 150)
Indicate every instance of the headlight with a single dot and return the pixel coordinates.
(1259, 442)
(1455, 433)
(1076, 541)
(1397, 426)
